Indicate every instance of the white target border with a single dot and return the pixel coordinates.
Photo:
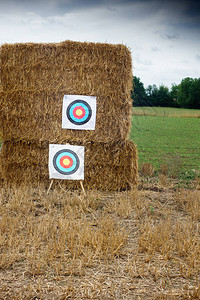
(67, 124)
(54, 174)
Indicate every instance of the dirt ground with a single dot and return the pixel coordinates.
(141, 244)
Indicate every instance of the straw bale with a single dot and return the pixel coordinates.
(108, 166)
(51, 66)
(38, 116)
(35, 78)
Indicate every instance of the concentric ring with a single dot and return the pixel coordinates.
(66, 162)
(79, 112)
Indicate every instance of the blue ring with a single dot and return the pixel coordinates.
(70, 116)
(59, 165)
(72, 109)
(59, 168)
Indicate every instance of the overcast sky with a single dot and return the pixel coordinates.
(163, 36)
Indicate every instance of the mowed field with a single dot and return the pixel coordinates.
(142, 244)
(168, 139)
(139, 244)
(167, 112)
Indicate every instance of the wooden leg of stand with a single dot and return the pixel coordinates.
(82, 188)
(50, 186)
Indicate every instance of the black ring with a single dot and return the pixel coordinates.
(77, 162)
(89, 109)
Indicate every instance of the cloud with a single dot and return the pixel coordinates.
(55, 7)
(142, 61)
(162, 35)
(155, 49)
(193, 9)
(111, 8)
(167, 35)
(197, 57)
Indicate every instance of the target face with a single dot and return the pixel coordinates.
(79, 112)
(66, 161)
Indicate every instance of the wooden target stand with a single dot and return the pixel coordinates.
(51, 183)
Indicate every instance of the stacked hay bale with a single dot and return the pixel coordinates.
(34, 78)
(108, 166)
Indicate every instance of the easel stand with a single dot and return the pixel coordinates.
(81, 183)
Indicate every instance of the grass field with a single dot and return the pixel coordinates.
(170, 144)
(167, 112)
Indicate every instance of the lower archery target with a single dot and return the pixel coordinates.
(66, 161)
(79, 112)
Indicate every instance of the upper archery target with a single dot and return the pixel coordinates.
(66, 162)
(79, 112)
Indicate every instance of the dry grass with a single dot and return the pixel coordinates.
(147, 169)
(166, 112)
(132, 245)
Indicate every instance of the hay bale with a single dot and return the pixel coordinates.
(38, 116)
(35, 77)
(108, 166)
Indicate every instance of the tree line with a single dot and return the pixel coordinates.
(184, 95)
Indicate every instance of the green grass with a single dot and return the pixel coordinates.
(166, 112)
(173, 142)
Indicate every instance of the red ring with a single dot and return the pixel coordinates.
(83, 112)
(70, 161)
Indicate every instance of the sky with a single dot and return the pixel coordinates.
(163, 36)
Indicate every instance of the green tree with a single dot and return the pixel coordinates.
(152, 92)
(174, 94)
(138, 93)
(164, 97)
(189, 93)
(184, 92)
(194, 97)
(159, 96)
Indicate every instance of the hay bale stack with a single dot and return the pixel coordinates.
(33, 80)
(35, 77)
(108, 166)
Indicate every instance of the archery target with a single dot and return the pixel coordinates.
(66, 162)
(79, 112)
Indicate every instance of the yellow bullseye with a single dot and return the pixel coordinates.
(66, 161)
(79, 112)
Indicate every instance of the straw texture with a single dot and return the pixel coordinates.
(35, 77)
(110, 166)
(38, 116)
(33, 80)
